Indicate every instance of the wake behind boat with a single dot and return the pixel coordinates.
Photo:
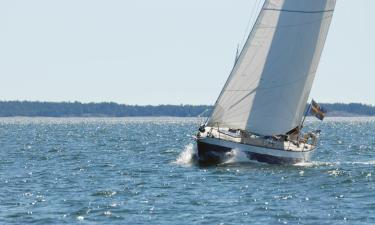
(262, 107)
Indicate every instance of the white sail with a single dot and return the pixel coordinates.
(268, 88)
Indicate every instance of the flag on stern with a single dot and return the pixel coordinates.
(318, 111)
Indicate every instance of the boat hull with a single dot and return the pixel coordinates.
(215, 151)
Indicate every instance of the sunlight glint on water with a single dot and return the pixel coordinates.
(144, 171)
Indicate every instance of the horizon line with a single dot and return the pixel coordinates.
(161, 104)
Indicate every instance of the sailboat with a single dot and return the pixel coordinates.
(263, 105)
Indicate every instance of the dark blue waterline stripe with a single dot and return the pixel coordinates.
(297, 11)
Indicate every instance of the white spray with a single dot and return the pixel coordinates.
(188, 156)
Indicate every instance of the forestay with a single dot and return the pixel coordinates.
(268, 88)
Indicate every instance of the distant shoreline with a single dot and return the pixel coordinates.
(111, 109)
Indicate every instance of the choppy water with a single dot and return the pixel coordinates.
(142, 171)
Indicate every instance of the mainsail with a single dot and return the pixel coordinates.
(268, 88)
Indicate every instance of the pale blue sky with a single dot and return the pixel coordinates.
(159, 51)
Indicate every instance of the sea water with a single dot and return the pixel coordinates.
(144, 171)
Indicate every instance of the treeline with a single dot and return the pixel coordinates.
(110, 109)
(351, 109)
(106, 109)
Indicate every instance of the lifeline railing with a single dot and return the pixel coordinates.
(299, 145)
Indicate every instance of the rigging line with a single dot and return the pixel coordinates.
(252, 28)
(243, 98)
(235, 65)
(298, 11)
(256, 5)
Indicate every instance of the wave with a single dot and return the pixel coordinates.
(318, 164)
(365, 163)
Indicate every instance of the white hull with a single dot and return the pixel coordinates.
(214, 150)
